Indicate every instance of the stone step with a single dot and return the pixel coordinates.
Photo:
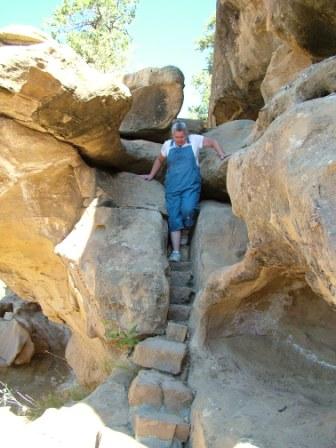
(179, 313)
(181, 278)
(181, 294)
(185, 253)
(176, 331)
(161, 354)
(158, 389)
(180, 266)
(152, 442)
(164, 426)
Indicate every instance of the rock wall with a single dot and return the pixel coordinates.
(243, 50)
(89, 248)
(282, 187)
(219, 240)
(261, 324)
(262, 45)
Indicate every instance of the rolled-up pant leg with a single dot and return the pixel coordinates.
(173, 204)
(189, 206)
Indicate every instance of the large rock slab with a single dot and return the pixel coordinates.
(307, 24)
(45, 334)
(220, 240)
(116, 263)
(283, 188)
(232, 136)
(259, 324)
(16, 346)
(139, 155)
(48, 87)
(131, 191)
(315, 81)
(157, 99)
(284, 67)
(110, 399)
(88, 265)
(243, 50)
(44, 187)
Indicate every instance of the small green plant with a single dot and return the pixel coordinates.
(123, 339)
(57, 400)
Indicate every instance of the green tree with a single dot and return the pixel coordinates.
(202, 80)
(96, 29)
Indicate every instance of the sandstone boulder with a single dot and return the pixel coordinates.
(307, 24)
(88, 265)
(110, 399)
(16, 346)
(116, 258)
(45, 334)
(315, 82)
(284, 67)
(22, 35)
(243, 50)
(48, 87)
(262, 323)
(232, 136)
(283, 188)
(157, 99)
(139, 155)
(220, 240)
(130, 191)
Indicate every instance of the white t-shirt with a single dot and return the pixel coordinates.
(196, 142)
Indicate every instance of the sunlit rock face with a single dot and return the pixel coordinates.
(92, 265)
(282, 186)
(232, 136)
(316, 81)
(284, 66)
(243, 50)
(306, 24)
(48, 87)
(72, 240)
(264, 325)
(261, 46)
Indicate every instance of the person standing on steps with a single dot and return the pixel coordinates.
(183, 180)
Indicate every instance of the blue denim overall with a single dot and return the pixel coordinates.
(182, 185)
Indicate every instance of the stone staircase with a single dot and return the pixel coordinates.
(159, 397)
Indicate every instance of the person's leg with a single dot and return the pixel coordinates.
(176, 240)
(175, 223)
(189, 206)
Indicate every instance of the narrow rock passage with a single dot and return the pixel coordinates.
(159, 396)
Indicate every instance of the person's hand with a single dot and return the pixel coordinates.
(146, 176)
(224, 156)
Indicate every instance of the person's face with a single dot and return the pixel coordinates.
(179, 137)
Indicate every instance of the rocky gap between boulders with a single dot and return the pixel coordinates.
(92, 246)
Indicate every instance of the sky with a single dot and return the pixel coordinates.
(163, 32)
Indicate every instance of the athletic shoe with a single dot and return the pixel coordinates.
(175, 256)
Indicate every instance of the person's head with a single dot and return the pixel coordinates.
(179, 132)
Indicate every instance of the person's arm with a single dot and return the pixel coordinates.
(155, 168)
(211, 143)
